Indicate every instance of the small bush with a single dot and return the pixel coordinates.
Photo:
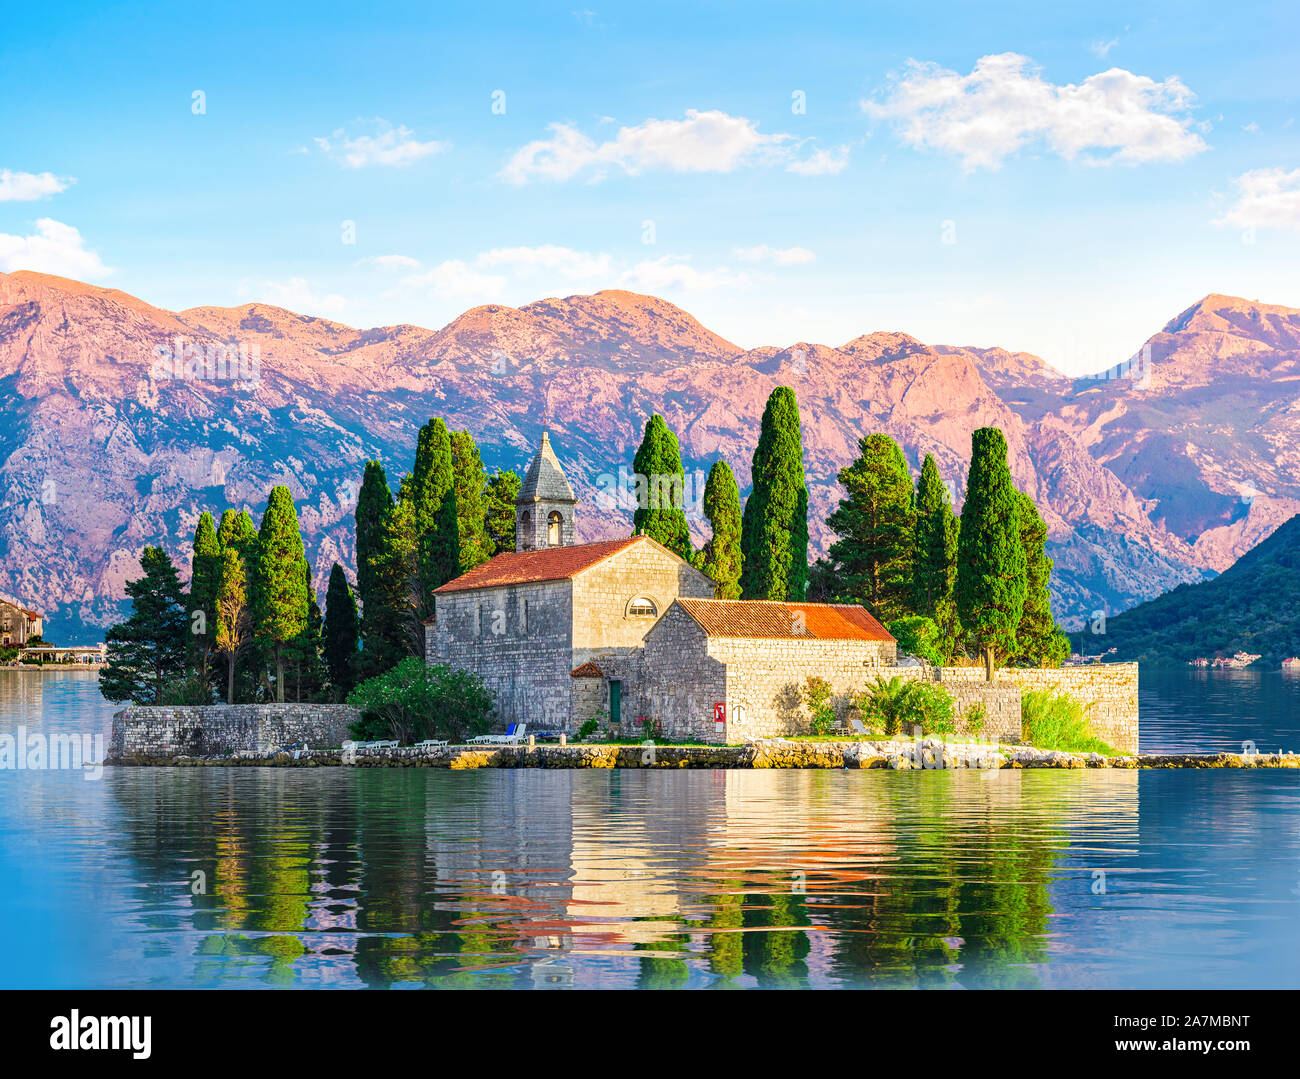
(1058, 721)
(918, 636)
(588, 728)
(976, 717)
(650, 728)
(817, 696)
(413, 701)
(898, 704)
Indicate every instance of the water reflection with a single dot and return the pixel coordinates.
(550, 879)
(654, 879)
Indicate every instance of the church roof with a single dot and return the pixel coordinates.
(545, 564)
(545, 479)
(784, 621)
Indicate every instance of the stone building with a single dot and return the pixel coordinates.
(18, 623)
(625, 629)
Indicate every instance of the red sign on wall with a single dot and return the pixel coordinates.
(720, 713)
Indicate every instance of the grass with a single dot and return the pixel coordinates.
(1058, 721)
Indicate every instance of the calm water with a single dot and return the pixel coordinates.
(409, 878)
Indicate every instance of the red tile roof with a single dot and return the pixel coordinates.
(587, 670)
(548, 564)
(785, 621)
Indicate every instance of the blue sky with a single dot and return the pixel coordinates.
(1059, 183)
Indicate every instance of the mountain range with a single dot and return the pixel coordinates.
(1162, 474)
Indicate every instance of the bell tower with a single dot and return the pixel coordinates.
(544, 508)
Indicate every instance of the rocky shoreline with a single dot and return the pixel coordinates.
(897, 755)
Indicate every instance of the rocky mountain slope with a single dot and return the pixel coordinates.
(1143, 485)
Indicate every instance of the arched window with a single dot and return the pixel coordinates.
(553, 523)
(642, 607)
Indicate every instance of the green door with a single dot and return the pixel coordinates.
(616, 702)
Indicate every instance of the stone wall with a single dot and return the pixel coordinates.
(1110, 690)
(682, 680)
(218, 730)
(516, 638)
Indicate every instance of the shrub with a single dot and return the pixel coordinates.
(588, 728)
(1053, 720)
(413, 701)
(817, 696)
(918, 636)
(189, 690)
(976, 717)
(650, 728)
(898, 704)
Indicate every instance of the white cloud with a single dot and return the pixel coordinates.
(782, 256)
(30, 186)
(672, 272)
(1252, 126)
(298, 296)
(1005, 104)
(1266, 198)
(1101, 48)
(390, 262)
(709, 141)
(457, 280)
(53, 248)
(821, 163)
(551, 258)
(388, 146)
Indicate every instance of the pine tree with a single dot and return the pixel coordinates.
(774, 527)
(342, 635)
(281, 603)
(990, 556)
(433, 499)
(205, 573)
(399, 632)
(661, 489)
(1039, 641)
(721, 555)
(876, 524)
(147, 652)
(471, 501)
(502, 490)
(934, 574)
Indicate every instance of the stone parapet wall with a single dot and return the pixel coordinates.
(1108, 690)
(219, 730)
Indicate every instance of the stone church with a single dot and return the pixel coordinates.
(624, 629)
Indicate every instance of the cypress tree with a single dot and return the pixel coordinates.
(309, 671)
(399, 631)
(205, 579)
(502, 490)
(374, 508)
(342, 635)
(990, 556)
(237, 536)
(876, 524)
(147, 651)
(934, 574)
(661, 489)
(281, 604)
(774, 528)
(433, 495)
(721, 559)
(1039, 641)
(471, 501)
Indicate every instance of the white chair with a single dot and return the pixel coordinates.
(859, 727)
(431, 742)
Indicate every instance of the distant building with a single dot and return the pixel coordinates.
(18, 622)
(625, 629)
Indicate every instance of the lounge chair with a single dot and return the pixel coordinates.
(513, 736)
(431, 742)
(859, 727)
